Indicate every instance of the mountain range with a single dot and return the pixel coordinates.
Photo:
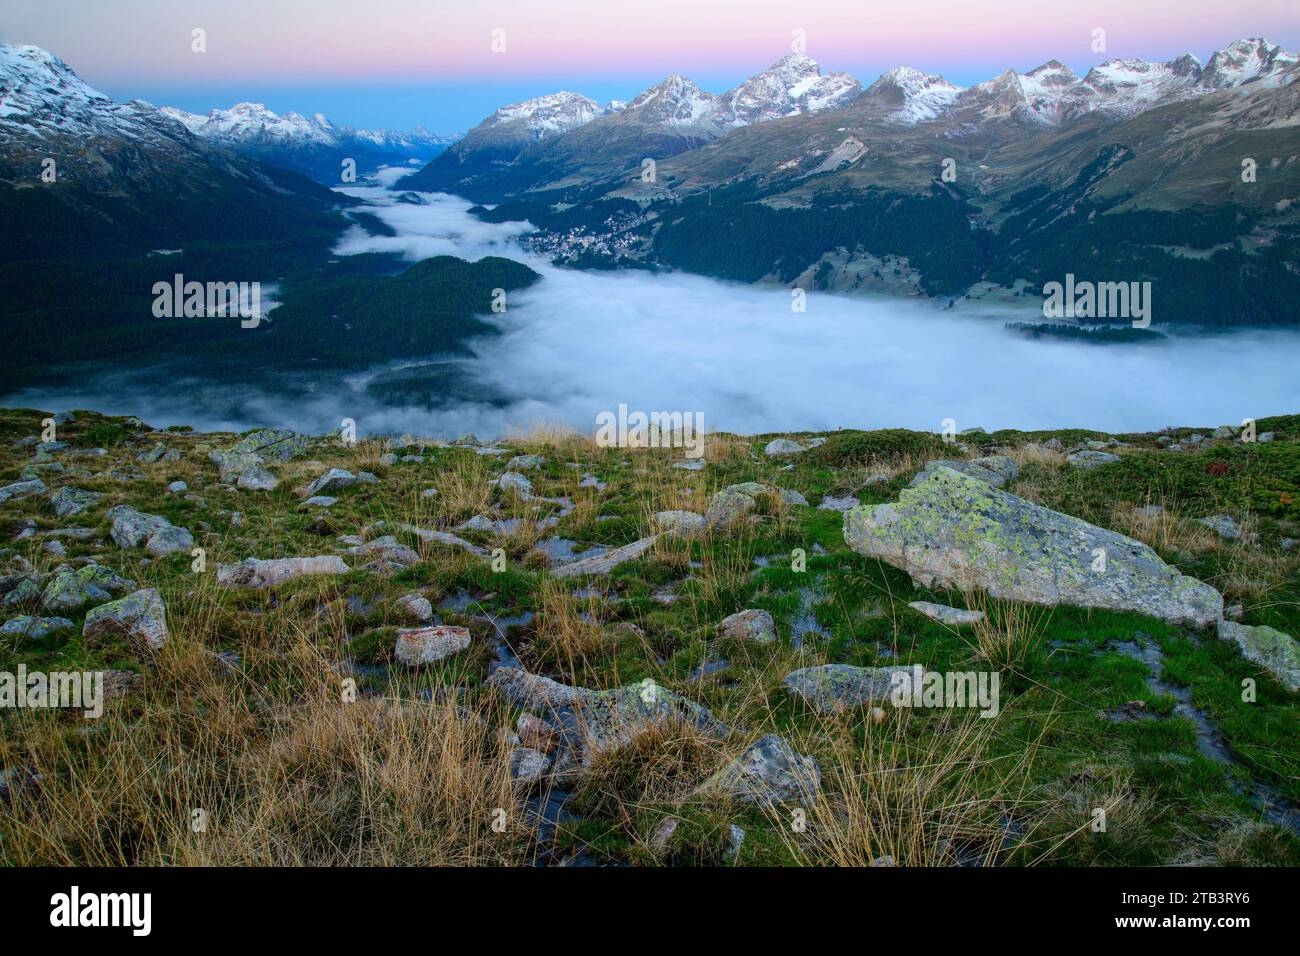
(1181, 173)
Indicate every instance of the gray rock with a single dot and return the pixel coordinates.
(780, 447)
(139, 616)
(68, 590)
(684, 523)
(735, 502)
(690, 464)
(995, 470)
(255, 573)
(829, 688)
(947, 615)
(320, 501)
(1222, 525)
(528, 766)
(332, 480)
(429, 493)
(176, 487)
(1091, 459)
(22, 489)
(513, 481)
(1272, 650)
(160, 537)
(607, 561)
(388, 550)
(70, 501)
(749, 625)
(838, 504)
(258, 447)
(1265, 437)
(1226, 431)
(427, 645)
(792, 497)
(33, 628)
(256, 478)
(415, 607)
(525, 462)
(769, 771)
(956, 532)
(532, 692)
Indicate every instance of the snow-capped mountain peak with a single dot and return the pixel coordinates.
(793, 84)
(253, 123)
(911, 95)
(1251, 60)
(675, 101)
(547, 115)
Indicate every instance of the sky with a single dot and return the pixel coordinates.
(402, 63)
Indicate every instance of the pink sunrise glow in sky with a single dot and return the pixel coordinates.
(142, 47)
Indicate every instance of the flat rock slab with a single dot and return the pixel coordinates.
(256, 573)
(132, 528)
(604, 563)
(955, 531)
(829, 688)
(948, 615)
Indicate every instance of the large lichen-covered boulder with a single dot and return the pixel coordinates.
(1276, 652)
(258, 447)
(955, 531)
(995, 470)
(68, 590)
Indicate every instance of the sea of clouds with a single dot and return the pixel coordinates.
(579, 343)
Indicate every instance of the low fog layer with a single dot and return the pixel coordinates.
(577, 344)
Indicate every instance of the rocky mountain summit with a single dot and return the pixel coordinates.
(537, 650)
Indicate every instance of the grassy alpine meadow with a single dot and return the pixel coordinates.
(475, 674)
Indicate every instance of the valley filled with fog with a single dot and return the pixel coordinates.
(579, 343)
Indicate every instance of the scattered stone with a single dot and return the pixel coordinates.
(769, 771)
(415, 607)
(1222, 525)
(94, 583)
(256, 573)
(1226, 431)
(1265, 437)
(838, 504)
(33, 628)
(139, 616)
(947, 615)
(690, 464)
(54, 548)
(22, 489)
(387, 550)
(429, 493)
(735, 502)
(256, 478)
(537, 733)
(792, 497)
(532, 692)
(259, 447)
(426, 645)
(780, 447)
(749, 625)
(607, 561)
(332, 480)
(828, 688)
(1272, 650)
(955, 531)
(176, 487)
(684, 523)
(319, 501)
(528, 766)
(68, 501)
(513, 481)
(160, 537)
(525, 462)
(1091, 459)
